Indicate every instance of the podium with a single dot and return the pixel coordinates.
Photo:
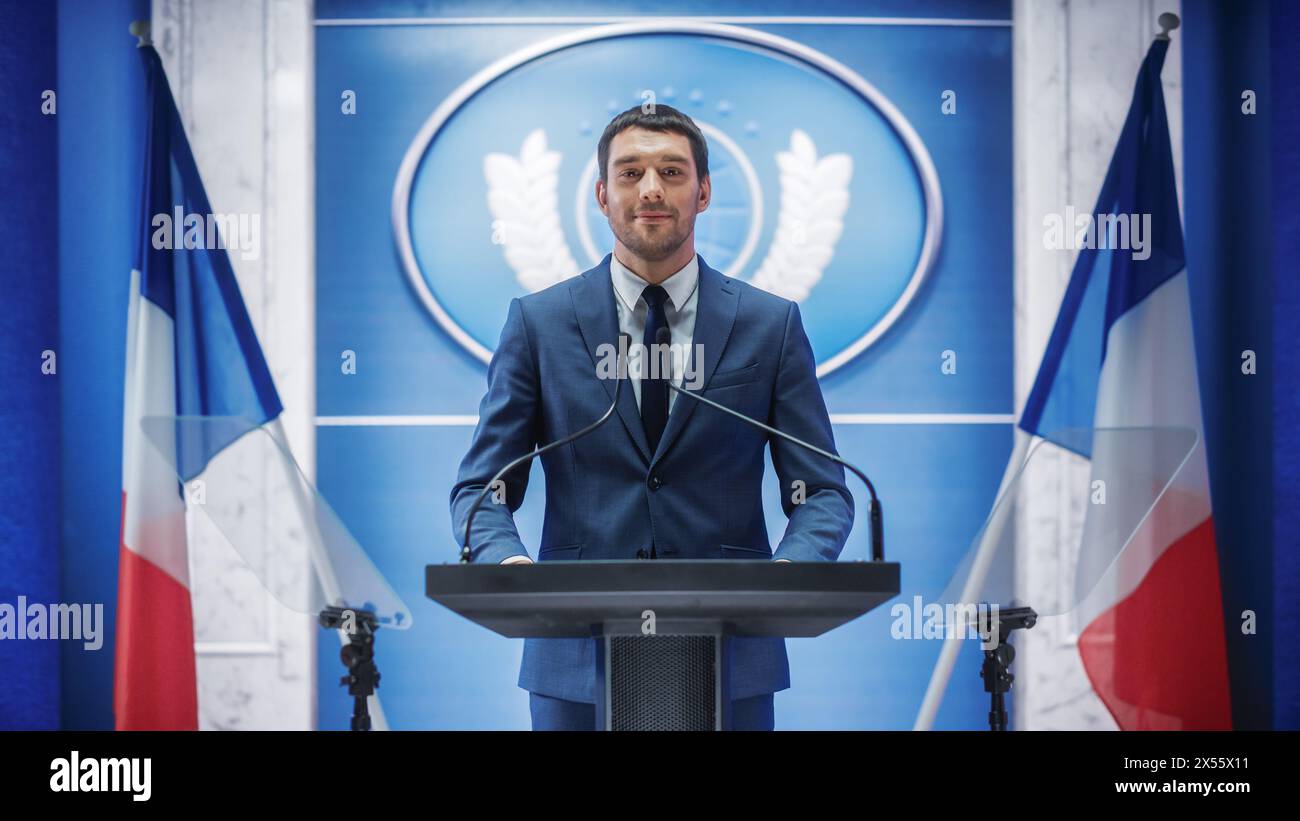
(661, 625)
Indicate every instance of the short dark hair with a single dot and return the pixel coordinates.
(657, 117)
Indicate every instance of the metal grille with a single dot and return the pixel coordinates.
(662, 682)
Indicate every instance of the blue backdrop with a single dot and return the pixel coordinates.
(390, 484)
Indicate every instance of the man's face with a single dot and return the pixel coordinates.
(652, 194)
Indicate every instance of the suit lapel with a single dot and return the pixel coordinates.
(715, 314)
(593, 303)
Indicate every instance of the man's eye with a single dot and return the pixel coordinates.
(670, 171)
(625, 173)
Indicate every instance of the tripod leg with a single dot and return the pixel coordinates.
(998, 714)
(361, 713)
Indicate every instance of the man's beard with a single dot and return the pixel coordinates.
(654, 247)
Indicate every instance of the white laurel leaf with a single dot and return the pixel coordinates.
(814, 198)
(525, 212)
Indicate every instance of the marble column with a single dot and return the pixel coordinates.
(242, 75)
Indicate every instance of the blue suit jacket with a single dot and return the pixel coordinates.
(698, 496)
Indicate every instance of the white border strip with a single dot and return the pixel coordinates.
(236, 648)
(580, 21)
(432, 420)
(471, 420)
(923, 418)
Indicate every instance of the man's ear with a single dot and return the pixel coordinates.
(706, 194)
(601, 194)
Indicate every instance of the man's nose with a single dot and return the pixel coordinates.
(651, 188)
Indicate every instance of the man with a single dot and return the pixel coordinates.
(669, 477)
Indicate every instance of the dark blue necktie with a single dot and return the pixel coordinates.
(654, 385)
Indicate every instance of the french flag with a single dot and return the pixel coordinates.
(191, 351)
(1121, 356)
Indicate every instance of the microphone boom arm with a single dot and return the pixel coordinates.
(466, 553)
(876, 515)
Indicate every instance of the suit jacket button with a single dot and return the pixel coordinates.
(641, 554)
(655, 482)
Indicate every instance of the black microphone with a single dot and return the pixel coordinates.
(624, 341)
(663, 336)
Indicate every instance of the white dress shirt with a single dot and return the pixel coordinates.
(679, 310)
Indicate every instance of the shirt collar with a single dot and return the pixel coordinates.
(679, 286)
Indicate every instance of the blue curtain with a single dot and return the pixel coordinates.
(29, 398)
(1228, 172)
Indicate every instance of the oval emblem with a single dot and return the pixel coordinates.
(822, 191)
